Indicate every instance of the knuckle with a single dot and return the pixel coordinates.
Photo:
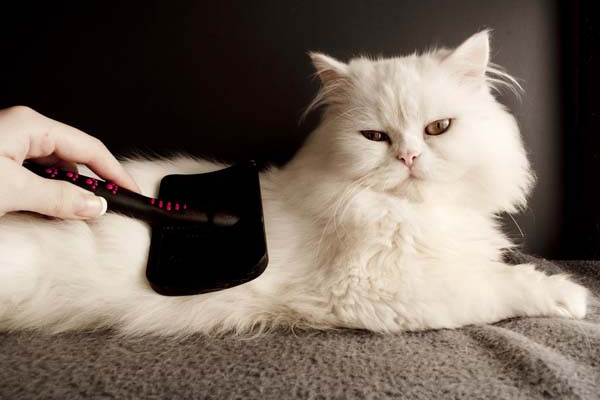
(101, 153)
(45, 143)
(21, 111)
(100, 145)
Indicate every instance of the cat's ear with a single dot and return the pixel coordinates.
(328, 69)
(471, 58)
(334, 76)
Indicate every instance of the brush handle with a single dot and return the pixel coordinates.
(135, 205)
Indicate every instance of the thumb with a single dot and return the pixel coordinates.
(59, 199)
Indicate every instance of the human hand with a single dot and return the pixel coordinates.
(26, 134)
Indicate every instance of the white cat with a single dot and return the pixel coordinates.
(384, 220)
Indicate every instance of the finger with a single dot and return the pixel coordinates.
(44, 137)
(73, 145)
(30, 192)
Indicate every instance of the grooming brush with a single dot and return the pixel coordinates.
(207, 229)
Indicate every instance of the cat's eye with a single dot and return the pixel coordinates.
(376, 136)
(438, 127)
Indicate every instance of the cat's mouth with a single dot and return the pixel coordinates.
(408, 189)
(414, 175)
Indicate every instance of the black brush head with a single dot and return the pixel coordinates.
(188, 259)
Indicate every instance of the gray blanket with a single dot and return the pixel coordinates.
(519, 358)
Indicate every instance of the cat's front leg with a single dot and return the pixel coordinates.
(557, 295)
(504, 291)
(442, 296)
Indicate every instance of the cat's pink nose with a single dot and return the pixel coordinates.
(408, 158)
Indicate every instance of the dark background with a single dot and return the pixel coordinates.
(230, 79)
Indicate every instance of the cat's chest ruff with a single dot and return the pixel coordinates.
(383, 234)
(403, 228)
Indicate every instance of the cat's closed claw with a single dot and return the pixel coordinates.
(568, 298)
(554, 295)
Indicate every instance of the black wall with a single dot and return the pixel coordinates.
(581, 138)
(230, 79)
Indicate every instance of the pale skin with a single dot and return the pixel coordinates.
(28, 135)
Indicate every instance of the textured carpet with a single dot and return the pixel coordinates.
(518, 358)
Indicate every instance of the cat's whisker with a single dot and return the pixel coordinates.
(518, 227)
(347, 113)
(346, 195)
(350, 197)
(334, 206)
(349, 202)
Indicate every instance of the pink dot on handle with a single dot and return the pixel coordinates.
(176, 206)
(89, 181)
(168, 206)
(69, 174)
(48, 170)
(160, 204)
(152, 201)
(185, 206)
(109, 186)
(114, 192)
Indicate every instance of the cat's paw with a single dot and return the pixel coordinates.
(567, 299)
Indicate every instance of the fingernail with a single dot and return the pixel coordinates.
(92, 206)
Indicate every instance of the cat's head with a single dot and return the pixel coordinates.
(425, 126)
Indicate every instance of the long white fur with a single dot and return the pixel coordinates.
(353, 240)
